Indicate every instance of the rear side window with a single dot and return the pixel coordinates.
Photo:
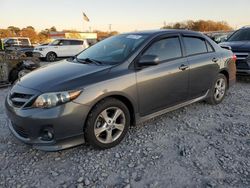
(24, 42)
(195, 45)
(165, 49)
(76, 42)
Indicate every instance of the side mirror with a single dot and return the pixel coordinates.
(226, 47)
(148, 60)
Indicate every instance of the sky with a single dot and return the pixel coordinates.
(123, 15)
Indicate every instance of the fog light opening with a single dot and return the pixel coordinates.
(47, 135)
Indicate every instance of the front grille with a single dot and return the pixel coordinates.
(241, 55)
(21, 131)
(19, 99)
(242, 60)
(242, 64)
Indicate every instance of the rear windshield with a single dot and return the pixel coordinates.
(24, 42)
(240, 35)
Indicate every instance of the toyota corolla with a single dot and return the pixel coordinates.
(118, 82)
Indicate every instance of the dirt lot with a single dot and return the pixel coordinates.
(196, 146)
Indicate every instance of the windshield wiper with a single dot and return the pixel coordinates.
(88, 60)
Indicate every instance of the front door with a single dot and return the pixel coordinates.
(166, 84)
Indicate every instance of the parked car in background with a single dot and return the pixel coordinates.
(239, 43)
(17, 41)
(14, 64)
(21, 44)
(61, 48)
(118, 82)
(219, 37)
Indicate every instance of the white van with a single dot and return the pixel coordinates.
(61, 48)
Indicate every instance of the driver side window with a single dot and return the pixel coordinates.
(64, 43)
(165, 49)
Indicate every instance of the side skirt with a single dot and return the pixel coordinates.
(140, 119)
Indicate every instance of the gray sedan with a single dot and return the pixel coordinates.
(116, 83)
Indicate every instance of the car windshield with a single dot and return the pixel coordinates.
(54, 43)
(240, 35)
(5, 40)
(113, 50)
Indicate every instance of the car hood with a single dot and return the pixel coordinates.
(63, 76)
(41, 46)
(238, 46)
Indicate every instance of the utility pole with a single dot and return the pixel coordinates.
(110, 28)
(164, 24)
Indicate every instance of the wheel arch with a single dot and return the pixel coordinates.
(226, 74)
(121, 98)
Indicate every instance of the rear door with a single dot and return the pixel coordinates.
(202, 60)
(76, 47)
(64, 49)
(165, 84)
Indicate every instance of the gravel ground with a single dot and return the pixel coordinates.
(196, 146)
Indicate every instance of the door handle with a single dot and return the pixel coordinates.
(215, 59)
(183, 67)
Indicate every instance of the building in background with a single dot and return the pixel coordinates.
(90, 37)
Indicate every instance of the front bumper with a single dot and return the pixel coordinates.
(65, 122)
(38, 53)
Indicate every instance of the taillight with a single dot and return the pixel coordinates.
(234, 58)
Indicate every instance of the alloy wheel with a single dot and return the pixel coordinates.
(109, 125)
(52, 57)
(220, 89)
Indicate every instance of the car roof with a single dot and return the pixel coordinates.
(246, 27)
(69, 39)
(164, 31)
(16, 38)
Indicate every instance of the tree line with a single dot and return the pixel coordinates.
(29, 31)
(43, 36)
(200, 25)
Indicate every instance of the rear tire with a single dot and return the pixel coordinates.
(51, 57)
(218, 90)
(107, 124)
(13, 76)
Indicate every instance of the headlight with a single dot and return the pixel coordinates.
(39, 49)
(49, 100)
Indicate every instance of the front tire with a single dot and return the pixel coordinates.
(51, 57)
(218, 90)
(13, 76)
(23, 72)
(107, 124)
